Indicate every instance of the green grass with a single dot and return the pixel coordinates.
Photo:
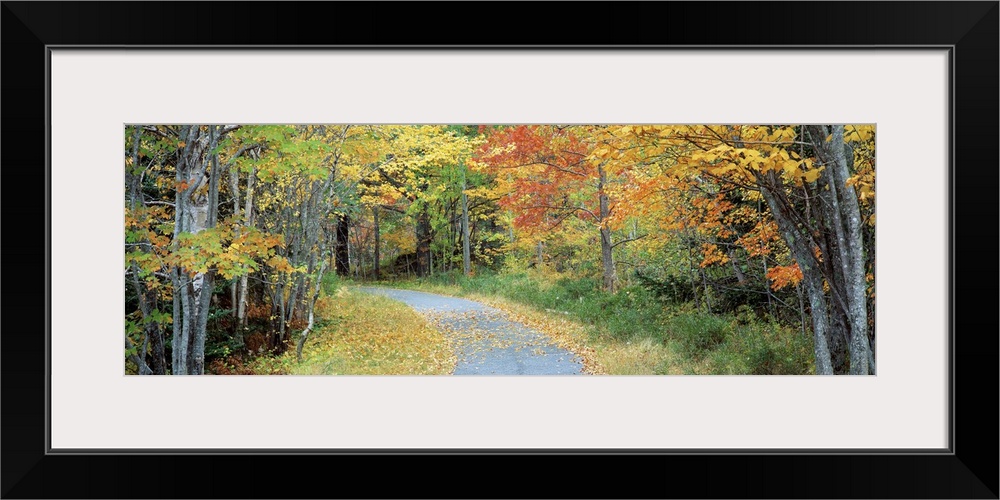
(696, 333)
(631, 332)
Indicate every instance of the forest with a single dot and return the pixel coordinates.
(641, 248)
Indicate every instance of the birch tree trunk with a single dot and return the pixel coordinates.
(248, 221)
(192, 215)
(234, 190)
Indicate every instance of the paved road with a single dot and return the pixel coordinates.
(487, 342)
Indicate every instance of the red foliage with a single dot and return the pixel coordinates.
(549, 166)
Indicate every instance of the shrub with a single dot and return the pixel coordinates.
(670, 289)
(759, 348)
(697, 333)
(576, 289)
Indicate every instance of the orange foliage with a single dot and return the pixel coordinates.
(548, 173)
(712, 255)
(782, 276)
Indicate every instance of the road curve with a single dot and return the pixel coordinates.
(486, 340)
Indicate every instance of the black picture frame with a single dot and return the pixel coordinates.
(968, 470)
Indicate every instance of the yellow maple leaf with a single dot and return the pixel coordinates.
(812, 175)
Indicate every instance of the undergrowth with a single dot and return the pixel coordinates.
(632, 332)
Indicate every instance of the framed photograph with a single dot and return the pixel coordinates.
(84, 79)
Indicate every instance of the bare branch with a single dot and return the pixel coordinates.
(156, 131)
(565, 208)
(157, 202)
(629, 239)
(239, 152)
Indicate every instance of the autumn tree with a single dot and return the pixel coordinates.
(181, 230)
(235, 226)
(816, 181)
(183, 242)
(549, 175)
(420, 174)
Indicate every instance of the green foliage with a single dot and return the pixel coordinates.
(157, 316)
(764, 349)
(219, 349)
(735, 296)
(670, 288)
(735, 343)
(698, 333)
(579, 289)
(630, 313)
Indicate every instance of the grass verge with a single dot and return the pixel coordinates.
(631, 332)
(601, 355)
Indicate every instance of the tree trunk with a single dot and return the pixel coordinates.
(736, 267)
(610, 276)
(466, 247)
(763, 264)
(197, 361)
(192, 215)
(342, 258)
(817, 303)
(248, 221)
(151, 329)
(837, 338)
(182, 342)
(147, 298)
(688, 238)
(293, 296)
(855, 251)
(423, 234)
(812, 276)
(850, 243)
(208, 279)
(276, 337)
(802, 309)
(176, 363)
(704, 285)
(234, 190)
(378, 244)
(157, 351)
(312, 308)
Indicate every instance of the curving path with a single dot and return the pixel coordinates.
(486, 341)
